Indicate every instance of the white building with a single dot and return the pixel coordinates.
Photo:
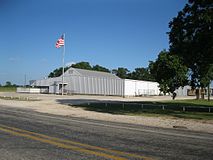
(183, 91)
(140, 88)
(80, 81)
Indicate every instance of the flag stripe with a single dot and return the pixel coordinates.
(60, 42)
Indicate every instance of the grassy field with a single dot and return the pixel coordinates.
(187, 102)
(191, 102)
(166, 108)
(7, 89)
(177, 114)
(18, 98)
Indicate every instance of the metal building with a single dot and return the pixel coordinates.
(140, 88)
(80, 81)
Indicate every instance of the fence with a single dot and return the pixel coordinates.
(141, 106)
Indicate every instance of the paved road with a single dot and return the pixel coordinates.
(29, 135)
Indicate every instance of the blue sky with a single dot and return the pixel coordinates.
(111, 33)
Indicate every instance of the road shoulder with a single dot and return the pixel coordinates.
(49, 104)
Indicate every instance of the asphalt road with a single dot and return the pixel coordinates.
(28, 135)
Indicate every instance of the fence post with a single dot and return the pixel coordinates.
(163, 107)
(123, 105)
(141, 106)
(105, 104)
(184, 109)
(209, 109)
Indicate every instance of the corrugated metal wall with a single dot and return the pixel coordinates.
(46, 82)
(140, 88)
(94, 85)
(84, 85)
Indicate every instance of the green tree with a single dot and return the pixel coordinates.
(82, 65)
(169, 72)
(8, 84)
(100, 68)
(121, 72)
(57, 72)
(51, 75)
(191, 39)
(206, 80)
(141, 74)
(14, 85)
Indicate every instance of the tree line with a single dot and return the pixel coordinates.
(8, 84)
(189, 59)
(137, 74)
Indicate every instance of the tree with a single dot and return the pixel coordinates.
(14, 85)
(51, 75)
(121, 72)
(8, 84)
(57, 72)
(169, 72)
(206, 80)
(100, 68)
(141, 74)
(191, 39)
(82, 65)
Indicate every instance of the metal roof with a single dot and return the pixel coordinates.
(90, 73)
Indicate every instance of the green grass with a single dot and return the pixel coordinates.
(191, 102)
(187, 102)
(177, 114)
(7, 89)
(172, 108)
(18, 98)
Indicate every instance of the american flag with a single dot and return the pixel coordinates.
(60, 42)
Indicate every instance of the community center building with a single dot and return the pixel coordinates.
(81, 81)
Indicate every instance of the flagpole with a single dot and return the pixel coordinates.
(62, 92)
